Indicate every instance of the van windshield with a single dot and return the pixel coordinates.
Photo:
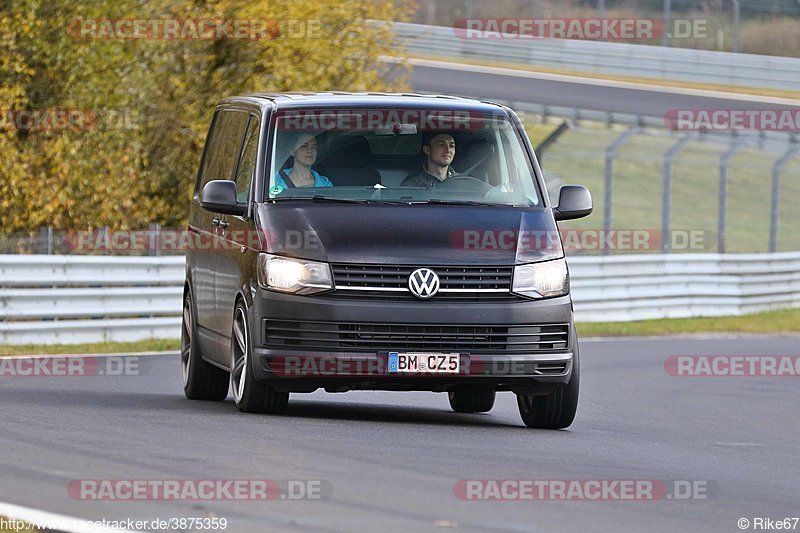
(399, 155)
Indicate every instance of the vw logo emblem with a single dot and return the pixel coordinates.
(423, 283)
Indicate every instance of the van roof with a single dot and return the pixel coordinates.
(367, 99)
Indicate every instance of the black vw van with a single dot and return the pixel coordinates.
(377, 241)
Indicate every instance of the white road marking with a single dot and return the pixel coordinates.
(57, 522)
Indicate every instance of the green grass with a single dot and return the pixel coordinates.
(151, 345)
(771, 322)
(579, 157)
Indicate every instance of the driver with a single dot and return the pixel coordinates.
(439, 151)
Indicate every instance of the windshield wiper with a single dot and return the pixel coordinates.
(330, 199)
(322, 199)
(457, 202)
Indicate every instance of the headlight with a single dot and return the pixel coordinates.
(293, 275)
(541, 280)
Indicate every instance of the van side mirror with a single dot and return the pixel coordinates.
(574, 201)
(219, 196)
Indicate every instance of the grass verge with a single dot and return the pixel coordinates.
(150, 345)
(771, 322)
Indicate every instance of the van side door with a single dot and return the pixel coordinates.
(239, 243)
(219, 162)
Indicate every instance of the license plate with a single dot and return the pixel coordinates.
(434, 363)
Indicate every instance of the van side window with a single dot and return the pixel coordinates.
(224, 144)
(247, 163)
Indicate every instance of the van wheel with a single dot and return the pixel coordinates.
(201, 380)
(555, 410)
(249, 395)
(471, 402)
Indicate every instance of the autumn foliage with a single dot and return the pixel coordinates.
(101, 128)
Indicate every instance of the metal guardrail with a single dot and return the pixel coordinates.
(657, 62)
(638, 287)
(75, 299)
(127, 299)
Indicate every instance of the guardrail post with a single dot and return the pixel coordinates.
(552, 138)
(535, 9)
(724, 163)
(776, 189)
(669, 157)
(106, 240)
(611, 153)
(46, 240)
(154, 239)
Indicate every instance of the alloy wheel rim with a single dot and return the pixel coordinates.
(186, 343)
(239, 372)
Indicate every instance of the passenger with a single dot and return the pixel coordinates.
(439, 151)
(304, 150)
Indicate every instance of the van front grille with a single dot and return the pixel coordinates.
(384, 282)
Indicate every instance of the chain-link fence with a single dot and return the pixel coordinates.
(698, 191)
(152, 241)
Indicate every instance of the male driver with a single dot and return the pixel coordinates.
(439, 151)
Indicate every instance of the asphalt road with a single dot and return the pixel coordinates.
(392, 459)
(508, 85)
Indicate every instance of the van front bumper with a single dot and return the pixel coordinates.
(304, 343)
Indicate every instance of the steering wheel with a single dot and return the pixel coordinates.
(466, 183)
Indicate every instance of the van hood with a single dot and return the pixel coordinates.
(432, 234)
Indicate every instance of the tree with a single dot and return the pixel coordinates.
(145, 104)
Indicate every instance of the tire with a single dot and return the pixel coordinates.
(249, 395)
(555, 410)
(471, 402)
(201, 380)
